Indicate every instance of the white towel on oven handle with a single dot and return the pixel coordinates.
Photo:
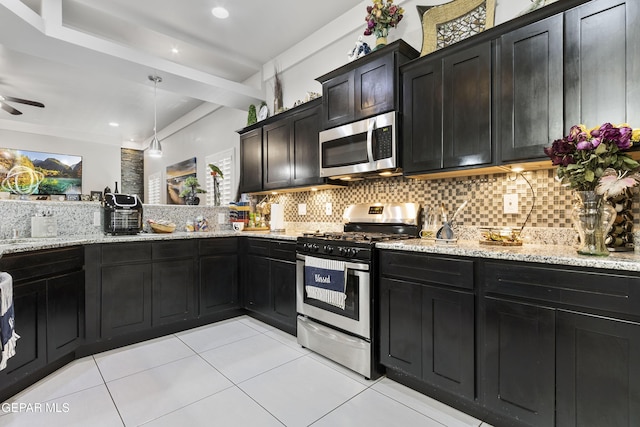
(332, 297)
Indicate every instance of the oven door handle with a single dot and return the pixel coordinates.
(348, 265)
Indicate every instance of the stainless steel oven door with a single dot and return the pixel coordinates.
(356, 317)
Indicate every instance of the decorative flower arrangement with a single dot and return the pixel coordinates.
(382, 16)
(594, 159)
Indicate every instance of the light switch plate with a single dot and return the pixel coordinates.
(96, 219)
(328, 208)
(222, 218)
(510, 203)
(302, 209)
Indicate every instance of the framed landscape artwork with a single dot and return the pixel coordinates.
(176, 174)
(34, 172)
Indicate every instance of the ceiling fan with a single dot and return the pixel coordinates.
(9, 109)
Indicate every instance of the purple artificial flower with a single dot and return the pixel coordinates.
(367, 32)
(624, 142)
(574, 132)
(369, 9)
(595, 142)
(371, 24)
(608, 132)
(584, 145)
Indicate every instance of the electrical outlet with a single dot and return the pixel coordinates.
(510, 203)
(222, 218)
(302, 209)
(328, 208)
(96, 219)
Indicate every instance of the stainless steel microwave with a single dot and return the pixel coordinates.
(358, 148)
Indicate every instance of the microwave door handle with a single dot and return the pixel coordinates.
(372, 125)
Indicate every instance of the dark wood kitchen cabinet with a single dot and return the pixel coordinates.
(291, 151)
(48, 300)
(218, 284)
(560, 345)
(173, 281)
(602, 65)
(269, 281)
(531, 89)
(366, 87)
(125, 288)
(427, 320)
(251, 161)
(447, 111)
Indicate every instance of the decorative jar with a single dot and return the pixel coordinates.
(592, 216)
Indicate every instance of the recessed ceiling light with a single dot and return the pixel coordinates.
(175, 50)
(220, 12)
(114, 124)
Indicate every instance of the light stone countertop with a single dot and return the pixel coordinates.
(545, 254)
(34, 244)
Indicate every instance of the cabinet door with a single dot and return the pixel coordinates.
(251, 161)
(598, 375)
(218, 283)
(401, 326)
(126, 299)
(601, 63)
(65, 314)
(466, 118)
(518, 361)
(256, 286)
(30, 312)
(283, 286)
(374, 87)
(338, 100)
(422, 117)
(277, 159)
(305, 149)
(173, 291)
(531, 87)
(448, 344)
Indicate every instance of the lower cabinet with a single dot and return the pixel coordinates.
(561, 345)
(218, 284)
(597, 371)
(48, 302)
(269, 281)
(519, 359)
(427, 320)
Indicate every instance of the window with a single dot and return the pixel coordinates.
(225, 161)
(153, 192)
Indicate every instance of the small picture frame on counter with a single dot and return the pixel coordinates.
(96, 196)
(72, 197)
(85, 197)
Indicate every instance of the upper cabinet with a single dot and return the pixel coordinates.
(283, 152)
(530, 83)
(366, 87)
(602, 63)
(447, 111)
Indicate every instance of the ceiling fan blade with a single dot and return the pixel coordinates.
(10, 109)
(24, 101)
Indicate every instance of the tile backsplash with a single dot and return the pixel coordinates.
(550, 219)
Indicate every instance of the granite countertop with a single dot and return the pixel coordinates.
(34, 244)
(546, 254)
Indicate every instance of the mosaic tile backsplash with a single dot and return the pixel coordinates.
(549, 222)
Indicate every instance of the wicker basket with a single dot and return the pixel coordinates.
(162, 228)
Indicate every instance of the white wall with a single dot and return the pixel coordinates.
(100, 162)
(213, 133)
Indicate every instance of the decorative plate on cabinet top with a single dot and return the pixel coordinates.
(263, 113)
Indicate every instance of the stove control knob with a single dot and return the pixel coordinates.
(328, 249)
(352, 252)
(315, 247)
(342, 251)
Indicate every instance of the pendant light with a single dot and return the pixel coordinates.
(155, 149)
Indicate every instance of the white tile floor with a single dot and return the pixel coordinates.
(239, 372)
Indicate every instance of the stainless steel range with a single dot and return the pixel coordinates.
(335, 286)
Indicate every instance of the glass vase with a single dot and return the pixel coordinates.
(592, 217)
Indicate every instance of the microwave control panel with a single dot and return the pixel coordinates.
(383, 147)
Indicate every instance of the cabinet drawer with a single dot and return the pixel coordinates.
(258, 246)
(218, 246)
(47, 263)
(283, 250)
(597, 290)
(427, 269)
(114, 253)
(173, 249)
